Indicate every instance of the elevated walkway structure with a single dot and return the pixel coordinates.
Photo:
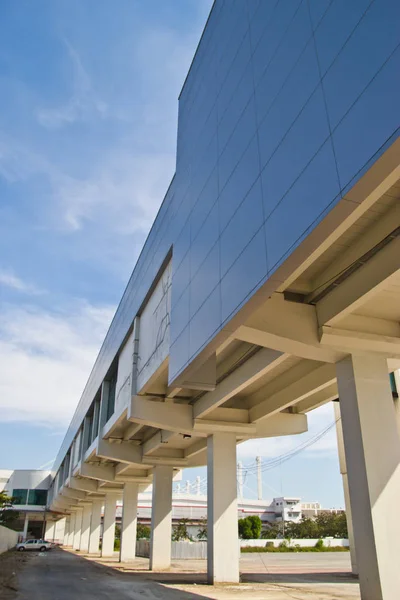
(268, 286)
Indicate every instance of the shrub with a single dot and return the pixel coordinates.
(296, 548)
(142, 532)
(319, 544)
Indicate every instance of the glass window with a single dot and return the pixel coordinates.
(20, 496)
(111, 398)
(95, 428)
(37, 497)
(393, 384)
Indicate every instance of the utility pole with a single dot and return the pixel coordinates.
(259, 478)
(240, 480)
(198, 483)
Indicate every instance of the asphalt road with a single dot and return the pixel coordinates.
(59, 575)
(63, 575)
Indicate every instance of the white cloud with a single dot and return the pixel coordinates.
(10, 280)
(46, 358)
(83, 102)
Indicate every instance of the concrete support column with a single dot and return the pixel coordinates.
(78, 529)
(50, 531)
(161, 518)
(95, 524)
(86, 518)
(110, 507)
(71, 530)
(64, 541)
(222, 515)
(372, 448)
(129, 522)
(26, 524)
(343, 471)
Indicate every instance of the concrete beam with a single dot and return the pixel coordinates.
(258, 365)
(318, 379)
(282, 423)
(132, 431)
(85, 485)
(73, 493)
(174, 461)
(99, 472)
(207, 427)
(318, 399)
(123, 452)
(360, 286)
(195, 448)
(162, 415)
(359, 341)
(157, 441)
(288, 327)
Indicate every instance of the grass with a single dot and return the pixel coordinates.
(250, 549)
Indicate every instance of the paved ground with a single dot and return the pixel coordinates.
(63, 575)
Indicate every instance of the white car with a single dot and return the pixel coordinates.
(38, 545)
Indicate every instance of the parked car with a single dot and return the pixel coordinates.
(38, 545)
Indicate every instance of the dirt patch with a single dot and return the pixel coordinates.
(11, 563)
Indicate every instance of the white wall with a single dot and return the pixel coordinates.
(124, 377)
(8, 539)
(29, 480)
(5, 475)
(55, 531)
(155, 329)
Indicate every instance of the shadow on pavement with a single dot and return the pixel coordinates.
(321, 578)
(154, 580)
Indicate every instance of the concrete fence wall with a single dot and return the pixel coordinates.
(196, 550)
(8, 539)
(311, 542)
(178, 549)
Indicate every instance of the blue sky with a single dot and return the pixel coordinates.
(88, 113)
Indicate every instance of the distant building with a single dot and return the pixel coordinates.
(29, 489)
(36, 520)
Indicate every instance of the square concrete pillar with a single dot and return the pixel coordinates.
(78, 529)
(129, 522)
(50, 531)
(64, 541)
(345, 481)
(85, 533)
(95, 525)
(26, 525)
(372, 449)
(71, 530)
(222, 512)
(110, 507)
(161, 518)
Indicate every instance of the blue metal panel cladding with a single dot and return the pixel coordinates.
(286, 104)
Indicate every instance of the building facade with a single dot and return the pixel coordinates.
(29, 488)
(268, 285)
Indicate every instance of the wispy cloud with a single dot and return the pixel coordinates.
(83, 101)
(46, 358)
(10, 280)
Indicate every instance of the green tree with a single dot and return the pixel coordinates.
(202, 533)
(304, 529)
(180, 532)
(250, 528)
(332, 524)
(142, 532)
(7, 514)
(272, 532)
